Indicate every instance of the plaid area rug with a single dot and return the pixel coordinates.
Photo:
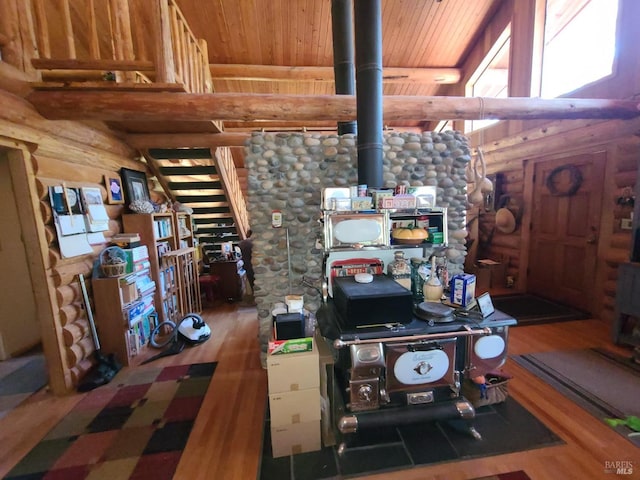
(133, 428)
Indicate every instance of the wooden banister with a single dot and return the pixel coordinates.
(233, 190)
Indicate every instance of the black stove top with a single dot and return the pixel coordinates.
(332, 328)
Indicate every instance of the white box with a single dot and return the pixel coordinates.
(463, 288)
(286, 408)
(293, 371)
(295, 438)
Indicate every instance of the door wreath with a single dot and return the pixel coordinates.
(564, 189)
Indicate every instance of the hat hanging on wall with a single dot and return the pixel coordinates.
(505, 221)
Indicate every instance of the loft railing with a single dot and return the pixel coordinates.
(231, 184)
(114, 36)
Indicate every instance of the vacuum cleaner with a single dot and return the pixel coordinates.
(191, 329)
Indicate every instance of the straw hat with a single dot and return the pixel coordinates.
(505, 220)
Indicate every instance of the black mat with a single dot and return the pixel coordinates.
(28, 378)
(604, 384)
(505, 428)
(528, 309)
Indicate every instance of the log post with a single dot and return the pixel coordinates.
(165, 68)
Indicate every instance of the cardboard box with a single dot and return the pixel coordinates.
(294, 345)
(294, 371)
(301, 406)
(489, 274)
(326, 386)
(463, 288)
(295, 438)
(399, 202)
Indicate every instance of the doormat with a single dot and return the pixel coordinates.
(593, 379)
(19, 379)
(136, 427)
(518, 475)
(529, 309)
(505, 428)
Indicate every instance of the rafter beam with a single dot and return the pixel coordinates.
(278, 73)
(165, 106)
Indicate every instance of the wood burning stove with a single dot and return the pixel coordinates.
(391, 366)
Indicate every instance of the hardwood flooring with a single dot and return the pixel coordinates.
(226, 439)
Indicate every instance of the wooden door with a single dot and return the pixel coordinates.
(567, 199)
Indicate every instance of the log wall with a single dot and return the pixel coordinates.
(80, 156)
(515, 163)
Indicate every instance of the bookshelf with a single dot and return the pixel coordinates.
(184, 229)
(125, 314)
(172, 257)
(157, 231)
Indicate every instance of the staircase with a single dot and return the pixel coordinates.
(204, 182)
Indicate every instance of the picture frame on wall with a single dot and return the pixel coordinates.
(115, 194)
(135, 185)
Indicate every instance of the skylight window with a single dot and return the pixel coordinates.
(579, 46)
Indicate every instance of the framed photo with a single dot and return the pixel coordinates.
(485, 304)
(115, 195)
(135, 185)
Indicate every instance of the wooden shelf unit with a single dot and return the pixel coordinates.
(184, 229)
(174, 269)
(112, 321)
(189, 300)
(158, 230)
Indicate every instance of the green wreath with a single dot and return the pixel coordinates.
(574, 185)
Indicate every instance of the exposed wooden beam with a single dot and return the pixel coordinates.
(164, 106)
(278, 73)
(102, 65)
(178, 140)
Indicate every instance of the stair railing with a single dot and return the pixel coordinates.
(231, 185)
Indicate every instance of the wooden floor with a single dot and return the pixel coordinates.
(226, 440)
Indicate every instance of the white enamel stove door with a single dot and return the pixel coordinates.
(487, 352)
(412, 367)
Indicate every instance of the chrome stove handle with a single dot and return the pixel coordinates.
(468, 331)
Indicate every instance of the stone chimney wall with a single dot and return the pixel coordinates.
(287, 172)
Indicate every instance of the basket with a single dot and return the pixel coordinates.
(114, 270)
(494, 391)
(113, 262)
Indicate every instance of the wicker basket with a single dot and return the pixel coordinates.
(113, 261)
(114, 270)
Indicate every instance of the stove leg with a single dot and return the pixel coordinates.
(341, 448)
(474, 433)
(467, 417)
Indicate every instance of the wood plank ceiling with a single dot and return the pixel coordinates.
(298, 33)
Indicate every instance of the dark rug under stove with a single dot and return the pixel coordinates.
(529, 309)
(505, 428)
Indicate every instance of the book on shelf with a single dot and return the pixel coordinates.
(162, 228)
(126, 240)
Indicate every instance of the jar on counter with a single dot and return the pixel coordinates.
(400, 270)
(419, 273)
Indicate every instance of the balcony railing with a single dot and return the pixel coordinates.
(118, 37)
